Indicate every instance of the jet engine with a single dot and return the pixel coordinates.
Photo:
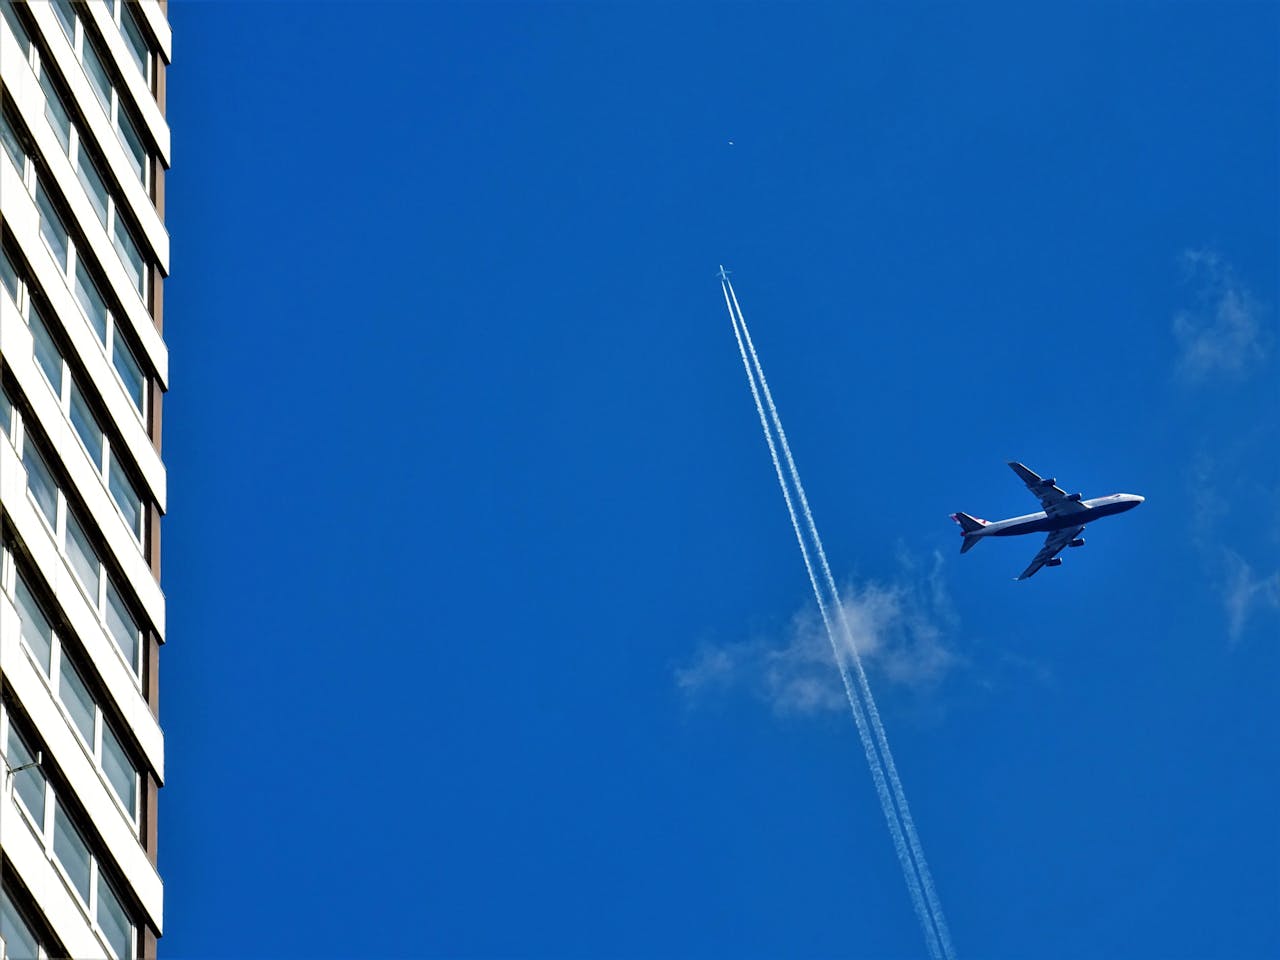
(1055, 562)
(1075, 497)
(1076, 543)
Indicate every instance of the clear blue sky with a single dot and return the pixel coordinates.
(467, 490)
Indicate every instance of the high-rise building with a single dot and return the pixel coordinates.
(84, 146)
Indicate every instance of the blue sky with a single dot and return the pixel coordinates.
(467, 489)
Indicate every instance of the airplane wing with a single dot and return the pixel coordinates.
(1053, 498)
(1054, 544)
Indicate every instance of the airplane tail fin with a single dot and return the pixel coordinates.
(969, 526)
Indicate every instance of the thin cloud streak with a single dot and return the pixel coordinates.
(1246, 594)
(1223, 337)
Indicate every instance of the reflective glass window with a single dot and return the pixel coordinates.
(66, 17)
(36, 629)
(93, 185)
(90, 300)
(29, 783)
(122, 625)
(70, 849)
(84, 559)
(19, 31)
(130, 255)
(76, 698)
(19, 942)
(98, 78)
(52, 229)
(113, 921)
(55, 112)
(118, 768)
(86, 425)
(12, 145)
(47, 353)
(40, 482)
(123, 360)
(132, 145)
(125, 496)
(9, 275)
(134, 38)
(6, 414)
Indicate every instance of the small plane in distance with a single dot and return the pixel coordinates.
(1063, 518)
(723, 274)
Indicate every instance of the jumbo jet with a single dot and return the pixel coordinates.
(1063, 518)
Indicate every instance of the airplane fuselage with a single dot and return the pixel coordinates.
(1041, 522)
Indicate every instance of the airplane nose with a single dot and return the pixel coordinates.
(1139, 499)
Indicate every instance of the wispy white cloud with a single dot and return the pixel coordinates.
(900, 630)
(1246, 593)
(1223, 335)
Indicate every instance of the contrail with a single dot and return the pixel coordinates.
(926, 918)
(900, 796)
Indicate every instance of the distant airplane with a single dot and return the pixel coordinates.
(723, 274)
(1063, 518)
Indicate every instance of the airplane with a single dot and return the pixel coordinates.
(724, 274)
(1063, 518)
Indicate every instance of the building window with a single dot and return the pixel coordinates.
(86, 425)
(19, 942)
(10, 16)
(35, 625)
(66, 17)
(40, 482)
(130, 256)
(90, 300)
(30, 783)
(125, 496)
(47, 353)
(12, 145)
(71, 851)
(135, 384)
(6, 413)
(84, 559)
(91, 180)
(135, 39)
(79, 702)
(9, 278)
(123, 627)
(52, 229)
(113, 921)
(120, 771)
(55, 111)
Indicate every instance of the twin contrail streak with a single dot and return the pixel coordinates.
(915, 868)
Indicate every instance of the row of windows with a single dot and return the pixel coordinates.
(100, 198)
(69, 533)
(97, 733)
(59, 836)
(127, 22)
(76, 407)
(99, 80)
(66, 253)
(105, 205)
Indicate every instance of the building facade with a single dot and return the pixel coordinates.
(84, 146)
